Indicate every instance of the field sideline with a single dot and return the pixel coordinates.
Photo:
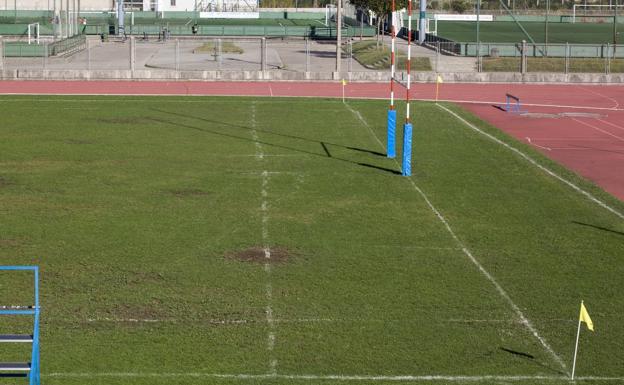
(238, 240)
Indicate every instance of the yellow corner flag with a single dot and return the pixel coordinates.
(344, 82)
(584, 317)
(439, 79)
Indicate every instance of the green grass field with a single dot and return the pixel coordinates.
(149, 215)
(509, 32)
(370, 56)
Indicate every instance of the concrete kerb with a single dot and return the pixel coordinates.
(368, 76)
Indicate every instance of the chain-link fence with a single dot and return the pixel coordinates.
(305, 56)
(201, 54)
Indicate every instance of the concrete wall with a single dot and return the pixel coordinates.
(369, 76)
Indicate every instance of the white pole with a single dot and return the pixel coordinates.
(578, 333)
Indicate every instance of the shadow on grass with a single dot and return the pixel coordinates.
(323, 144)
(13, 375)
(531, 358)
(598, 228)
(367, 151)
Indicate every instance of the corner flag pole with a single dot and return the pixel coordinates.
(583, 317)
(578, 333)
(391, 141)
(406, 170)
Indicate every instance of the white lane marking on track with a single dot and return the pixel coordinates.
(611, 124)
(617, 104)
(598, 129)
(536, 164)
(336, 377)
(537, 145)
(524, 320)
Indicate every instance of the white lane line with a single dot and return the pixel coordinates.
(537, 145)
(617, 104)
(599, 129)
(334, 377)
(536, 164)
(523, 319)
(264, 208)
(306, 320)
(461, 101)
(611, 124)
(256, 155)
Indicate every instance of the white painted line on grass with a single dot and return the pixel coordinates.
(523, 319)
(264, 208)
(536, 164)
(184, 100)
(599, 129)
(256, 155)
(270, 319)
(334, 377)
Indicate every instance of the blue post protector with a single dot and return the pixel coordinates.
(406, 170)
(391, 133)
(31, 369)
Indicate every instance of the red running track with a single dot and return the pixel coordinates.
(580, 126)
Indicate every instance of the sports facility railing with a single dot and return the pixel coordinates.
(70, 44)
(43, 49)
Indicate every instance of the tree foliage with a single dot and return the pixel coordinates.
(380, 7)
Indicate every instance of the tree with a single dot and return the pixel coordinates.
(382, 9)
(459, 6)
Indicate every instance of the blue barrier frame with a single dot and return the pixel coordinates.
(34, 373)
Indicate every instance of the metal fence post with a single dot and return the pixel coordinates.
(567, 58)
(45, 55)
(307, 50)
(88, 55)
(219, 53)
(132, 53)
(437, 58)
(523, 61)
(350, 56)
(177, 55)
(1, 55)
(607, 60)
(263, 54)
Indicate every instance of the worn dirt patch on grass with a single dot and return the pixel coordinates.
(140, 312)
(141, 277)
(4, 182)
(181, 193)
(79, 141)
(9, 243)
(124, 120)
(256, 254)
